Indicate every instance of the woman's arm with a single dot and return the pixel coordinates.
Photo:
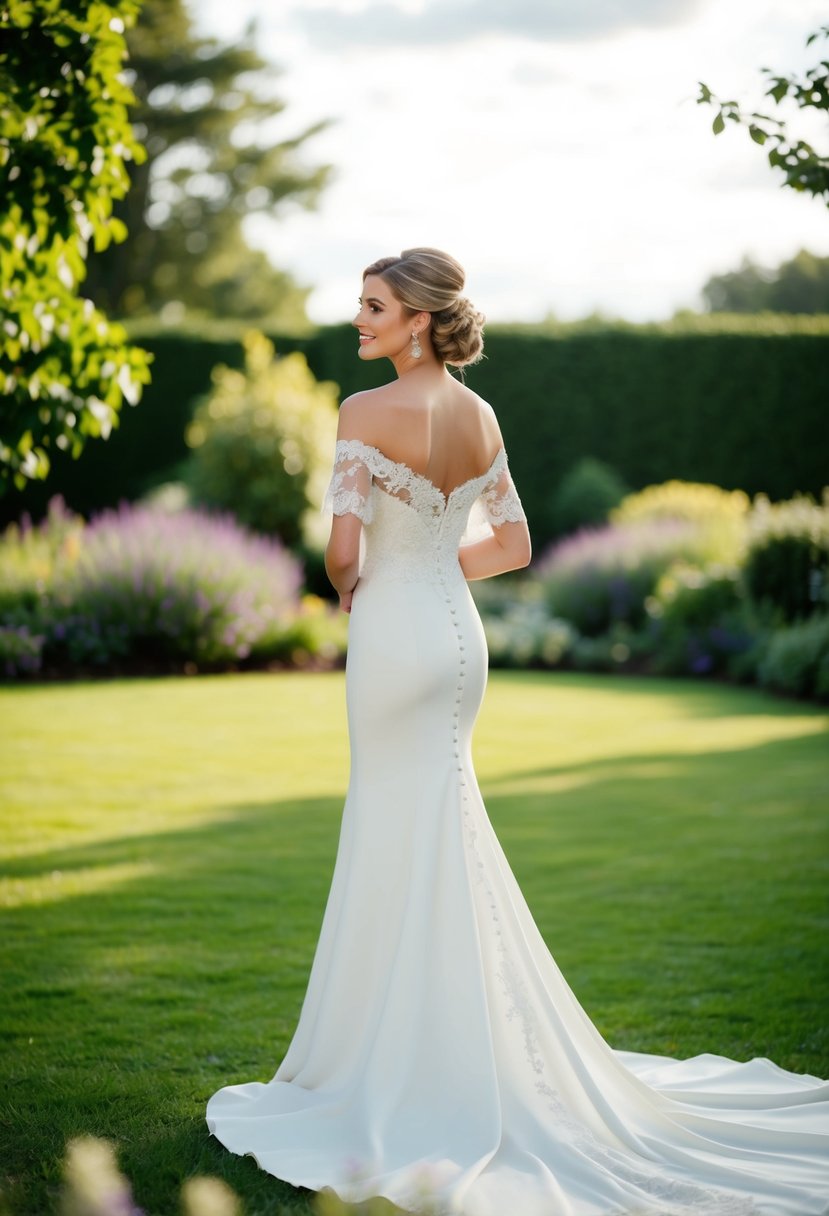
(509, 548)
(342, 557)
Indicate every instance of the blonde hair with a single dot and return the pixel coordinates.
(428, 280)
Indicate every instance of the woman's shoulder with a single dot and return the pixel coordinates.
(360, 412)
(488, 418)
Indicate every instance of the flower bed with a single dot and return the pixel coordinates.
(143, 589)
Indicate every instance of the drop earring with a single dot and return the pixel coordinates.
(417, 349)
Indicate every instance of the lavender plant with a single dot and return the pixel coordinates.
(599, 578)
(153, 586)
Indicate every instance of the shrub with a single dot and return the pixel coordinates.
(596, 579)
(319, 633)
(262, 441)
(31, 556)
(586, 496)
(699, 621)
(614, 651)
(21, 652)
(796, 659)
(523, 635)
(787, 565)
(718, 516)
(190, 586)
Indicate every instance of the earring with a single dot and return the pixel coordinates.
(417, 349)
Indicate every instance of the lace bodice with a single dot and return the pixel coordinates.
(413, 531)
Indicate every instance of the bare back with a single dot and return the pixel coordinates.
(434, 425)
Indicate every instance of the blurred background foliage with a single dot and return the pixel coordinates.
(737, 402)
(673, 473)
(799, 285)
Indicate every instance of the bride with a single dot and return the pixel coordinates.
(440, 1059)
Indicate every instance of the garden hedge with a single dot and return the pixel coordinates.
(737, 402)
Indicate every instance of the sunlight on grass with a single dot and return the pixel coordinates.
(56, 886)
(151, 755)
(568, 720)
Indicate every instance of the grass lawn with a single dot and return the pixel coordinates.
(167, 848)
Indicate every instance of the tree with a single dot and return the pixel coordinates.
(65, 140)
(205, 113)
(805, 169)
(800, 285)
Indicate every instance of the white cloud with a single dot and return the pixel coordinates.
(566, 175)
(441, 22)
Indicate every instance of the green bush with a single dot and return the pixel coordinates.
(21, 651)
(699, 622)
(586, 495)
(523, 635)
(787, 565)
(719, 517)
(618, 650)
(796, 659)
(30, 559)
(262, 442)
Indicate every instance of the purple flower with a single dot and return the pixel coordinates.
(192, 585)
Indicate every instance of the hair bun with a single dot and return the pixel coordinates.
(458, 333)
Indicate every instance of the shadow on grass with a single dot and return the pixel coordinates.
(683, 897)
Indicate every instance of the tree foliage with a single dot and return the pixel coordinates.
(800, 285)
(210, 121)
(803, 166)
(65, 141)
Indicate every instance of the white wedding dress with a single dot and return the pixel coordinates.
(440, 1058)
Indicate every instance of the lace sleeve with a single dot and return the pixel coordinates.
(498, 503)
(500, 499)
(349, 491)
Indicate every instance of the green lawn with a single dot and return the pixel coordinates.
(167, 850)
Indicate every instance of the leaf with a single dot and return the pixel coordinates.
(718, 125)
(757, 134)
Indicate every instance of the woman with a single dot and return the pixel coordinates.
(440, 1057)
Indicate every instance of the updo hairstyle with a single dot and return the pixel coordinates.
(427, 280)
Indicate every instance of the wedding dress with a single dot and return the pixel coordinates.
(440, 1059)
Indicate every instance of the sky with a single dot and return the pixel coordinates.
(554, 147)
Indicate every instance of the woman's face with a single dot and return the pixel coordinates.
(385, 327)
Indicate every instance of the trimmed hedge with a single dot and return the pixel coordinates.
(740, 404)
